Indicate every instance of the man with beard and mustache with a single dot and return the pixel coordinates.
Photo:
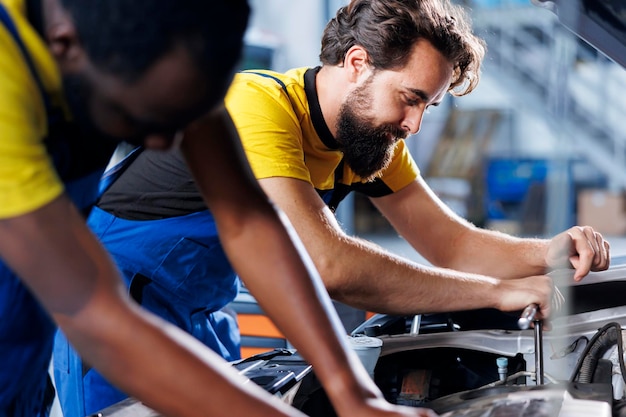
(312, 135)
(152, 73)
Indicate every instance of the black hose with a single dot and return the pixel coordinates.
(606, 337)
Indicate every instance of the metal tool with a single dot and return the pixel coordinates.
(415, 324)
(528, 316)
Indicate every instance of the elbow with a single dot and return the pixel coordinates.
(329, 269)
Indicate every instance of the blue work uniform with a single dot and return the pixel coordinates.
(176, 268)
(26, 330)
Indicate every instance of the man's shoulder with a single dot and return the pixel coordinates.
(29, 179)
(268, 91)
(32, 64)
(272, 80)
(16, 6)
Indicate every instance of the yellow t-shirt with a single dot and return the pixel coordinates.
(28, 179)
(284, 134)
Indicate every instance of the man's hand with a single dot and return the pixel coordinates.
(581, 248)
(517, 294)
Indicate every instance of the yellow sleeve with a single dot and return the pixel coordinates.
(28, 179)
(269, 128)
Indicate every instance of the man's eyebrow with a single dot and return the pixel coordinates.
(423, 96)
(419, 93)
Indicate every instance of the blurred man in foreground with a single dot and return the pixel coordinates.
(76, 77)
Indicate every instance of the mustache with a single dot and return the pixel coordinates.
(396, 132)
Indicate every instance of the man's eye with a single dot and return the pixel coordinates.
(412, 101)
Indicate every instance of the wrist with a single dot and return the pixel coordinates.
(540, 257)
(348, 387)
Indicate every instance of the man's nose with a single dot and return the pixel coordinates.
(412, 122)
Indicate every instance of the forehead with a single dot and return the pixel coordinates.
(426, 70)
(171, 89)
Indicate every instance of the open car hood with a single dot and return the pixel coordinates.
(601, 23)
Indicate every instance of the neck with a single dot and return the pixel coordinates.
(330, 94)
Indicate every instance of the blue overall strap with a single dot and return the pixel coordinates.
(113, 173)
(10, 26)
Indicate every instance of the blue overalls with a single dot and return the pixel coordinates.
(174, 267)
(26, 330)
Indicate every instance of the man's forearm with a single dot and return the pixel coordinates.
(294, 297)
(450, 241)
(492, 253)
(392, 284)
(369, 277)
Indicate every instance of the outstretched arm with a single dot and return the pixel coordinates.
(449, 241)
(269, 258)
(56, 255)
(367, 276)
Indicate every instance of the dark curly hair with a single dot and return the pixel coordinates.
(389, 29)
(125, 37)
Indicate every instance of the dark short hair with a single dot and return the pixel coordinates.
(389, 29)
(126, 37)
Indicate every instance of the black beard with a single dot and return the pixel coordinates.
(367, 149)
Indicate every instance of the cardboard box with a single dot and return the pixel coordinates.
(604, 210)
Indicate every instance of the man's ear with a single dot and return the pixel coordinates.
(63, 41)
(356, 62)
